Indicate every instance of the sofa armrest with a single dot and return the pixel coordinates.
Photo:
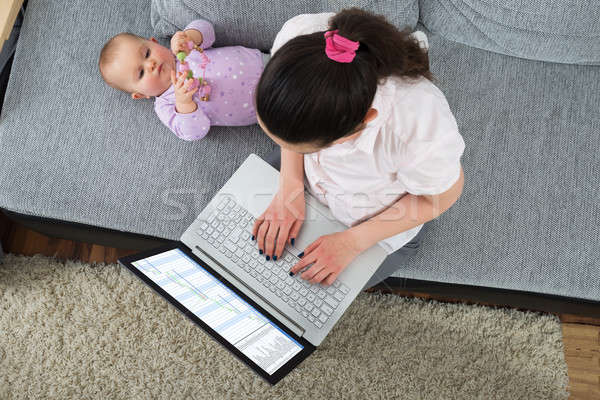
(8, 15)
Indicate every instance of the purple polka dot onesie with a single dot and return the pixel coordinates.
(233, 73)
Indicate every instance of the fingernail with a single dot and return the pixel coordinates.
(274, 258)
(268, 258)
(291, 273)
(300, 255)
(260, 251)
(252, 237)
(293, 240)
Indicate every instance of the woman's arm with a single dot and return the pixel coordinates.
(292, 168)
(330, 254)
(406, 213)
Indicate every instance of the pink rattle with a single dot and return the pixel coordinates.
(195, 59)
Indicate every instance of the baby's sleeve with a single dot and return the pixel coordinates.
(191, 126)
(206, 29)
(430, 146)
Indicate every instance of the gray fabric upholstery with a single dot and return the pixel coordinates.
(529, 215)
(73, 149)
(255, 23)
(77, 150)
(548, 30)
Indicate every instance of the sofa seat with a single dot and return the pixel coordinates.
(74, 149)
(529, 215)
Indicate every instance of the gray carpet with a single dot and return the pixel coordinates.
(77, 331)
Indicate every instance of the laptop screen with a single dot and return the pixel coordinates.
(219, 307)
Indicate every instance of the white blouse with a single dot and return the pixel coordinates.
(412, 146)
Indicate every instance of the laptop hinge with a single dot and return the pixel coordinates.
(250, 292)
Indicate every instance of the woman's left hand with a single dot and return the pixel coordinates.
(329, 254)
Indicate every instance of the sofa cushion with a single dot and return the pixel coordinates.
(549, 30)
(256, 23)
(529, 215)
(73, 149)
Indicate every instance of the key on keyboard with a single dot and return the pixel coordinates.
(229, 229)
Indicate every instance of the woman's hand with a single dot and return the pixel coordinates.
(184, 103)
(281, 220)
(330, 255)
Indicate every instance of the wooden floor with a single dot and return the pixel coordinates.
(581, 335)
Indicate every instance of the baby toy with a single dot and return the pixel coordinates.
(196, 59)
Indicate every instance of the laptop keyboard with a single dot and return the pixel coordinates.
(228, 229)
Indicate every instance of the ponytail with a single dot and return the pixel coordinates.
(393, 51)
(305, 97)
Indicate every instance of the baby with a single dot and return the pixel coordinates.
(224, 95)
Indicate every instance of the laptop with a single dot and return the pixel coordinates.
(215, 276)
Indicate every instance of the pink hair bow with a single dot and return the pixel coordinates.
(339, 48)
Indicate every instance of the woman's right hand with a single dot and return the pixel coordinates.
(281, 220)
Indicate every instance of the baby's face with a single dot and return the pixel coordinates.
(142, 67)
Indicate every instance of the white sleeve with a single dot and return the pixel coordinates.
(302, 24)
(430, 146)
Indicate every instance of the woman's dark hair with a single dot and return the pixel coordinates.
(305, 97)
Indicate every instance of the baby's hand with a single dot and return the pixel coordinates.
(179, 42)
(184, 103)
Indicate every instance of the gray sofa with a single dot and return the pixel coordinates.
(523, 81)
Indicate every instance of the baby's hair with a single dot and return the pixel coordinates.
(305, 97)
(109, 53)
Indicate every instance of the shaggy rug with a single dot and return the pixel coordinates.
(70, 330)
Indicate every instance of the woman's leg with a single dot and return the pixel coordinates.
(396, 260)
